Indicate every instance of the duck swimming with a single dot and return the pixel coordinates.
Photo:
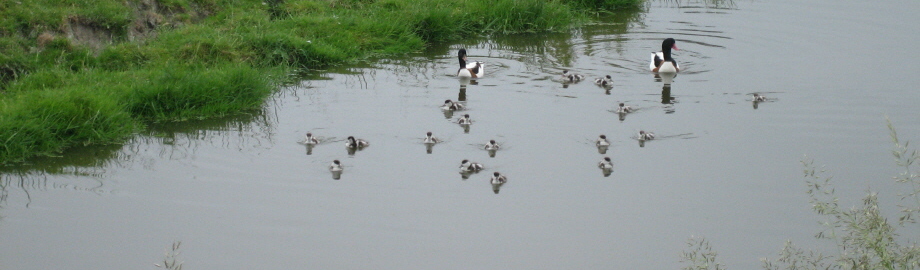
(491, 146)
(351, 142)
(602, 141)
(606, 164)
(452, 106)
(309, 139)
(624, 109)
(336, 166)
(467, 166)
(469, 70)
(571, 77)
(431, 139)
(646, 136)
(759, 98)
(498, 179)
(662, 62)
(605, 82)
(465, 120)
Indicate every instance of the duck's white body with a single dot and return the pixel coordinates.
(351, 142)
(606, 164)
(471, 69)
(336, 166)
(467, 166)
(498, 179)
(662, 62)
(309, 139)
(646, 136)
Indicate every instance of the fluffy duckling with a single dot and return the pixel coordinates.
(492, 145)
(624, 109)
(571, 77)
(452, 106)
(606, 81)
(351, 142)
(431, 139)
(336, 166)
(759, 98)
(467, 166)
(646, 136)
(602, 141)
(465, 120)
(309, 139)
(498, 178)
(606, 164)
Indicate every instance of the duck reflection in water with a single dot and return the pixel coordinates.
(602, 144)
(336, 169)
(468, 168)
(492, 147)
(309, 141)
(606, 166)
(465, 122)
(497, 181)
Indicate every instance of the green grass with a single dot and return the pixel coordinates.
(213, 57)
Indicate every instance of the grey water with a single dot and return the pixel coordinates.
(243, 193)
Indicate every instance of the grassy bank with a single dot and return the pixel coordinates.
(79, 73)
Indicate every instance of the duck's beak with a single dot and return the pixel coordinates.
(674, 47)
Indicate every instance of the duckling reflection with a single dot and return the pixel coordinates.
(468, 168)
(430, 141)
(309, 148)
(336, 169)
(492, 147)
(497, 181)
(606, 166)
(602, 144)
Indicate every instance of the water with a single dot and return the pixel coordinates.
(242, 193)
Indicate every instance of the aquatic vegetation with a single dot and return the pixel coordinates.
(863, 235)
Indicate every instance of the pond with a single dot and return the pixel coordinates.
(242, 192)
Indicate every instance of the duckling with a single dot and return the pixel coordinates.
(624, 109)
(309, 139)
(452, 106)
(606, 164)
(759, 98)
(646, 136)
(465, 120)
(336, 166)
(571, 77)
(498, 178)
(467, 166)
(607, 81)
(351, 142)
(602, 141)
(491, 146)
(431, 139)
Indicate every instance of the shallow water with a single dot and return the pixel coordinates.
(243, 193)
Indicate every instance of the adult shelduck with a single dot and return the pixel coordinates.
(469, 70)
(662, 61)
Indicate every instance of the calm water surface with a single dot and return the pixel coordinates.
(241, 193)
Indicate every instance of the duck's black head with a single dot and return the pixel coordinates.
(607, 158)
(621, 104)
(464, 161)
(461, 55)
(496, 174)
(492, 141)
(429, 134)
(603, 137)
(336, 162)
(666, 46)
